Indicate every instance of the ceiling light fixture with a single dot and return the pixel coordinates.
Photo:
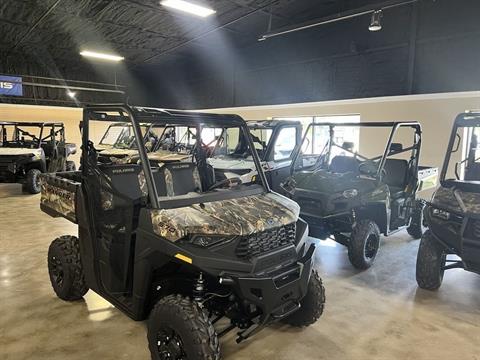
(188, 7)
(101, 56)
(376, 21)
(71, 94)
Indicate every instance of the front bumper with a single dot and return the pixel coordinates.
(277, 293)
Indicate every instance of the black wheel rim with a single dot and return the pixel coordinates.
(371, 246)
(57, 271)
(170, 345)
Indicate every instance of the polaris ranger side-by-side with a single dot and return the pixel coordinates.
(28, 149)
(179, 244)
(354, 197)
(453, 215)
(275, 142)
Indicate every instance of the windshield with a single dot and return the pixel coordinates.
(464, 156)
(23, 136)
(261, 140)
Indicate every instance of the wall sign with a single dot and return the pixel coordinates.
(11, 85)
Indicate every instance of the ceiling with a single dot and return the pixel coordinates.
(143, 31)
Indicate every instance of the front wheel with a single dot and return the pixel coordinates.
(178, 328)
(415, 229)
(33, 181)
(311, 305)
(431, 260)
(65, 268)
(364, 243)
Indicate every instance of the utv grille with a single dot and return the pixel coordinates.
(265, 241)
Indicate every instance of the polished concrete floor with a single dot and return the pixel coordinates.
(376, 314)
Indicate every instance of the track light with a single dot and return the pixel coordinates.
(376, 21)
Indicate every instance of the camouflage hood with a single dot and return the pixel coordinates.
(326, 182)
(242, 216)
(457, 200)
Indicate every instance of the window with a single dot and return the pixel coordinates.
(285, 143)
(315, 142)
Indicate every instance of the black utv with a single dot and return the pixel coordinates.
(177, 244)
(453, 215)
(355, 197)
(28, 149)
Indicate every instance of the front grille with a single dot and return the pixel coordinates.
(262, 242)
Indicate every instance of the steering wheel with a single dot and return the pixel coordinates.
(230, 182)
(368, 167)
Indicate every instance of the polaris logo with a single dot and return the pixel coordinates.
(11, 85)
(6, 85)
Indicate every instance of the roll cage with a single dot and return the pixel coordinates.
(36, 139)
(470, 119)
(121, 113)
(389, 150)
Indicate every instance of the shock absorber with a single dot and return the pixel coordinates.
(199, 289)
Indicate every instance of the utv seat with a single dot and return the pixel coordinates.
(343, 164)
(396, 176)
(177, 178)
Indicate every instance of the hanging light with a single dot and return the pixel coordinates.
(376, 21)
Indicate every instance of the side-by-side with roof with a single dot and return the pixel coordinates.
(178, 242)
(355, 197)
(28, 149)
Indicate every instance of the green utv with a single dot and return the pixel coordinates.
(28, 149)
(355, 197)
(178, 244)
(453, 215)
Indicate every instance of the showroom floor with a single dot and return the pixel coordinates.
(376, 314)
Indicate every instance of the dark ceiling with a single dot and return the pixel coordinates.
(142, 31)
(175, 59)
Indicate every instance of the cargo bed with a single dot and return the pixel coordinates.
(59, 194)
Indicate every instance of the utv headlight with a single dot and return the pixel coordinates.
(208, 240)
(441, 214)
(351, 193)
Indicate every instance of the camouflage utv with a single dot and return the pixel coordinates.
(354, 198)
(28, 149)
(453, 215)
(178, 244)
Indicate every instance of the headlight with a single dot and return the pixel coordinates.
(208, 240)
(348, 194)
(441, 214)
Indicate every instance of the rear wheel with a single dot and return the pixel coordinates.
(364, 243)
(33, 181)
(431, 260)
(179, 329)
(65, 268)
(311, 305)
(415, 229)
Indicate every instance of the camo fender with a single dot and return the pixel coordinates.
(243, 216)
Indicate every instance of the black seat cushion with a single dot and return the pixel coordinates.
(344, 164)
(396, 175)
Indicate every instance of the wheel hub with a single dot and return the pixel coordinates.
(169, 345)
(371, 246)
